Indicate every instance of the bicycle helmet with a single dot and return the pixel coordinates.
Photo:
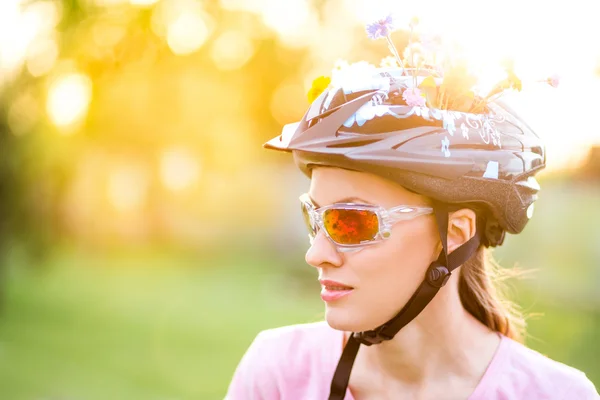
(378, 121)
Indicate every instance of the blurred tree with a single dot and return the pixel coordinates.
(146, 99)
(32, 174)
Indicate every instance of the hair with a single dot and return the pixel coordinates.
(481, 287)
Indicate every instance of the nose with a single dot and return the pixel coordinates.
(323, 251)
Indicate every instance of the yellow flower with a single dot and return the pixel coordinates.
(318, 86)
(389, 62)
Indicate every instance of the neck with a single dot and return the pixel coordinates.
(443, 342)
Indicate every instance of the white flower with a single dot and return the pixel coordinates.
(357, 77)
(340, 64)
(389, 62)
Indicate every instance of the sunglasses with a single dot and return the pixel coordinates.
(351, 226)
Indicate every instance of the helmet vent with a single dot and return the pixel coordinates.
(537, 150)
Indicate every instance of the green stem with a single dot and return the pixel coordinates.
(412, 56)
(395, 53)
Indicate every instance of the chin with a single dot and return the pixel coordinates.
(346, 319)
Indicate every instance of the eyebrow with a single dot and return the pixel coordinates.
(344, 200)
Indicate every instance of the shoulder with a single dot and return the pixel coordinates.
(299, 338)
(525, 373)
(289, 359)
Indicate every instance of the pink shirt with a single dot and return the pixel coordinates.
(297, 362)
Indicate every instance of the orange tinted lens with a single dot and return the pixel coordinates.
(350, 226)
(307, 221)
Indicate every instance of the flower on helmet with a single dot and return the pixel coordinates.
(359, 76)
(414, 21)
(381, 28)
(318, 86)
(413, 55)
(440, 80)
(413, 97)
(513, 81)
(553, 80)
(388, 62)
(340, 65)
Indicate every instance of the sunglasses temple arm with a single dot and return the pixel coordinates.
(397, 215)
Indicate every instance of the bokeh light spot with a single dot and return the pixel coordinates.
(128, 187)
(187, 33)
(286, 17)
(292, 20)
(41, 56)
(179, 169)
(232, 50)
(69, 98)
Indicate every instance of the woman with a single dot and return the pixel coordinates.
(403, 203)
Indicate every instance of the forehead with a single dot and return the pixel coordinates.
(329, 184)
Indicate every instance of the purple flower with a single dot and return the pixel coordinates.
(413, 97)
(381, 28)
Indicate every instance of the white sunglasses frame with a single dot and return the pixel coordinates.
(386, 218)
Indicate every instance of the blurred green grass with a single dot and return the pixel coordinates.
(163, 328)
(168, 325)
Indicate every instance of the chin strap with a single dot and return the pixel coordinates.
(436, 276)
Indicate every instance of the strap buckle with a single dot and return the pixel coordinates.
(375, 336)
(437, 275)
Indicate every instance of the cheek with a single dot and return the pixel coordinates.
(413, 245)
(409, 251)
(389, 273)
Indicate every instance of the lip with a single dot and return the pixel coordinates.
(329, 295)
(329, 282)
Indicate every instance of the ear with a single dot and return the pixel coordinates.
(461, 227)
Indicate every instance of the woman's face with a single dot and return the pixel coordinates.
(384, 275)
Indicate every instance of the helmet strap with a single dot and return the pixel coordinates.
(436, 276)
